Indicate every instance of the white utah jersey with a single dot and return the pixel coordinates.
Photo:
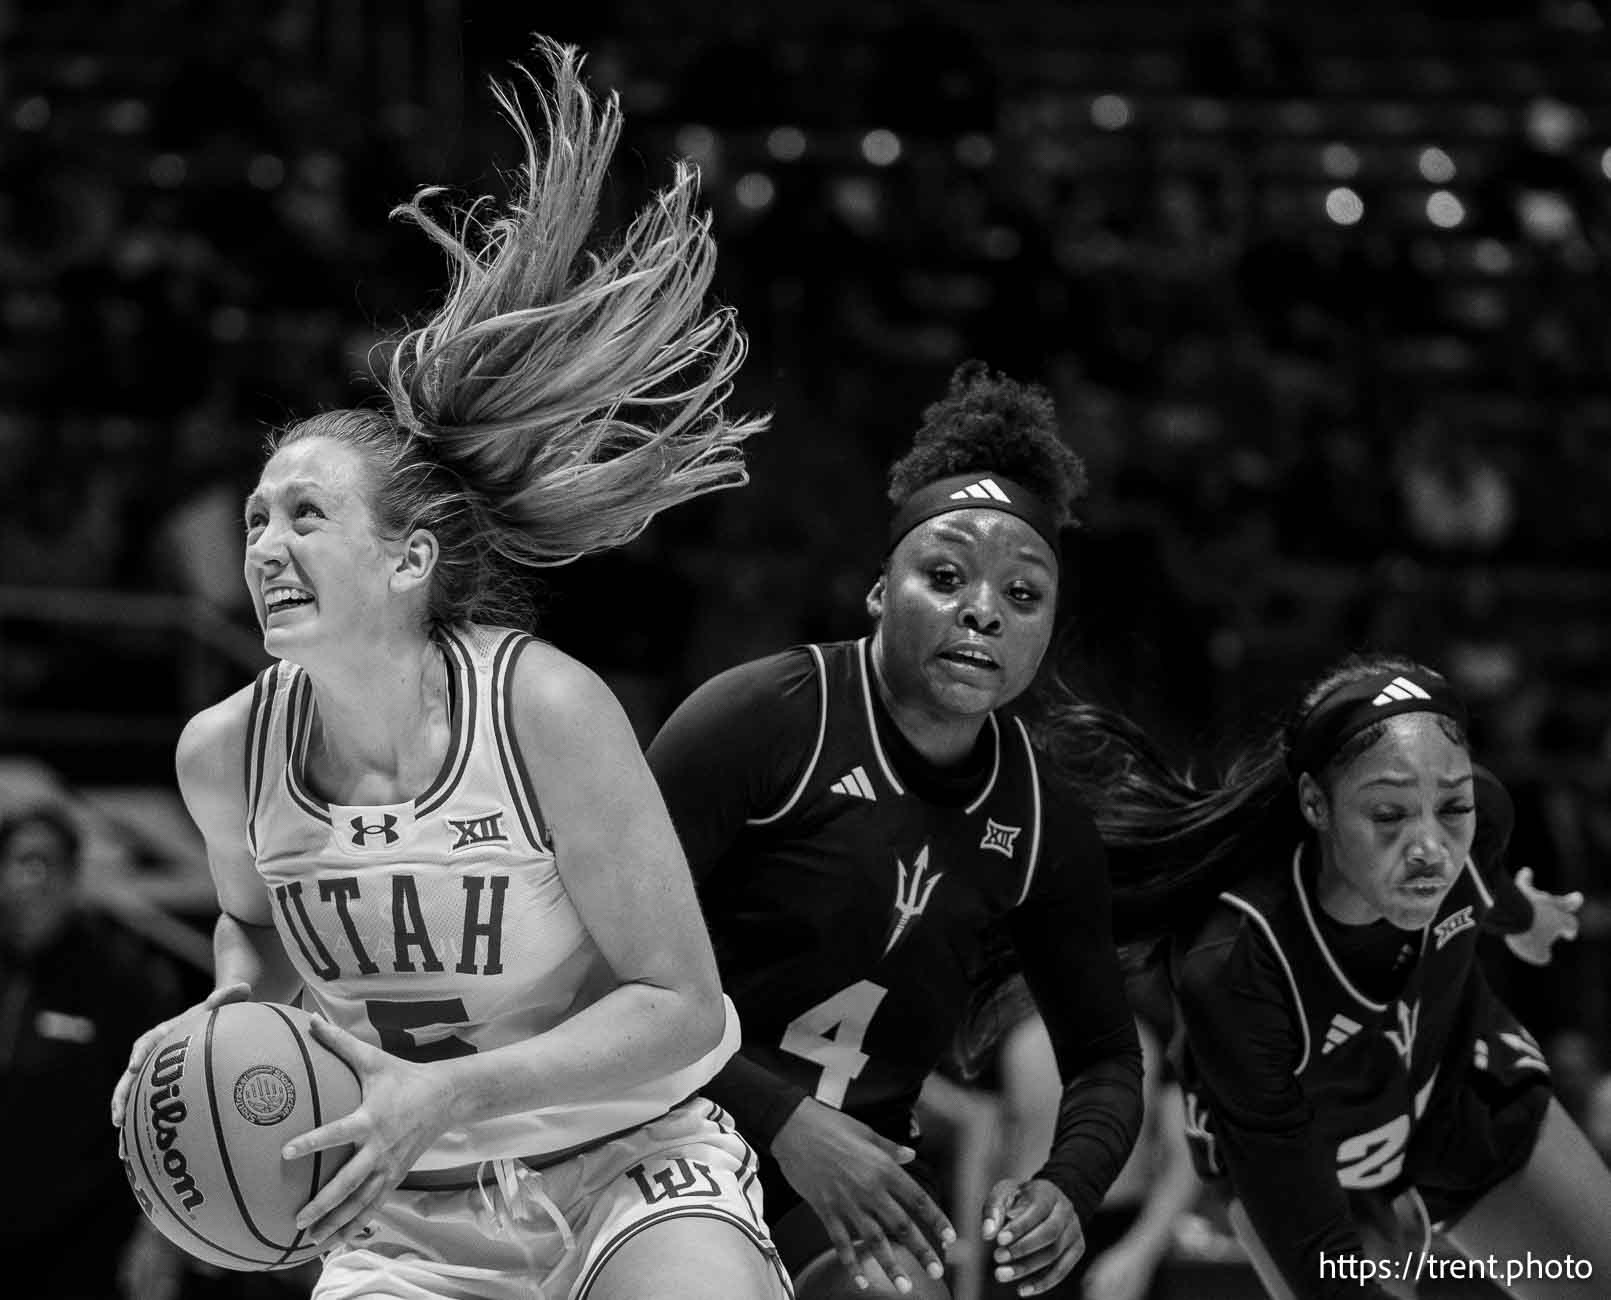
(439, 927)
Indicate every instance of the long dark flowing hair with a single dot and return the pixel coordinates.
(1173, 842)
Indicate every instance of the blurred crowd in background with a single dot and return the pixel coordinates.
(1318, 288)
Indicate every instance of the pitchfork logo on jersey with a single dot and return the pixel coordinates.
(912, 894)
(1403, 1038)
(363, 832)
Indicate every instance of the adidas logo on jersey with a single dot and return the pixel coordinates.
(1339, 1032)
(1400, 688)
(856, 784)
(986, 489)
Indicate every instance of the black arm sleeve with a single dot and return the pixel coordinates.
(1245, 1043)
(1063, 935)
(1512, 912)
(734, 750)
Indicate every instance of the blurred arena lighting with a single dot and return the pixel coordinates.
(228, 324)
(1344, 206)
(1340, 161)
(265, 171)
(1492, 257)
(128, 116)
(1605, 164)
(33, 114)
(696, 143)
(1436, 166)
(975, 149)
(786, 143)
(755, 190)
(1444, 209)
(167, 171)
(1110, 112)
(880, 147)
(1002, 243)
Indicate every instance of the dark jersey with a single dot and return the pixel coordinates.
(849, 886)
(1323, 1059)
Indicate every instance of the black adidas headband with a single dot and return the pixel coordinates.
(976, 491)
(1348, 710)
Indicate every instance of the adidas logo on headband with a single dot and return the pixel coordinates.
(1400, 688)
(984, 490)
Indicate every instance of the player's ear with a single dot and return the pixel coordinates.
(1312, 802)
(875, 597)
(415, 560)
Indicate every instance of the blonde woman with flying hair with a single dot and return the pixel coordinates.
(447, 838)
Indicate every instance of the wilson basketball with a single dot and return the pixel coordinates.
(206, 1119)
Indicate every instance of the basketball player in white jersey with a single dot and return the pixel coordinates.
(442, 831)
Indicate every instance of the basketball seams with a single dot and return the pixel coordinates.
(247, 1221)
(312, 1076)
(139, 1102)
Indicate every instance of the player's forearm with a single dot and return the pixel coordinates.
(253, 955)
(1098, 1121)
(633, 1034)
(759, 1101)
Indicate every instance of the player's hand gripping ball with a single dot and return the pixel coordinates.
(213, 1105)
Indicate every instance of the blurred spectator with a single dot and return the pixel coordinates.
(76, 989)
(1540, 193)
(1457, 500)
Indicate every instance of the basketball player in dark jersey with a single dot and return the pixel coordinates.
(1349, 1076)
(859, 818)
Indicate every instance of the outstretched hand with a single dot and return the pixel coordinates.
(147, 1042)
(1034, 1235)
(1554, 917)
(404, 1109)
(852, 1177)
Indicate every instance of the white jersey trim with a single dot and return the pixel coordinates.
(1034, 789)
(816, 750)
(1258, 918)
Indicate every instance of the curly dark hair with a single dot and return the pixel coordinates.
(987, 421)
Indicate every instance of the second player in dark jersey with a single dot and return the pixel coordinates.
(862, 816)
(1352, 1083)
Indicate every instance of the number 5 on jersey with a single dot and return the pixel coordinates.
(831, 1034)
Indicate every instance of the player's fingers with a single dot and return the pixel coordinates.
(933, 1225)
(1060, 1266)
(995, 1207)
(1022, 1238)
(347, 1190)
(144, 1045)
(845, 1249)
(349, 1130)
(1029, 1212)
(910, 1233)
(347, 1218)
(1524, 877)
(239, 991)
(875, 1246)
(1572, 902)
(354, 1051)
(901, 1155)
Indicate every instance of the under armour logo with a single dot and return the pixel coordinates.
(911, 896)
(999, 838)
(1400, 688)
(486, 829)
(362, 830)
(986, 489)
